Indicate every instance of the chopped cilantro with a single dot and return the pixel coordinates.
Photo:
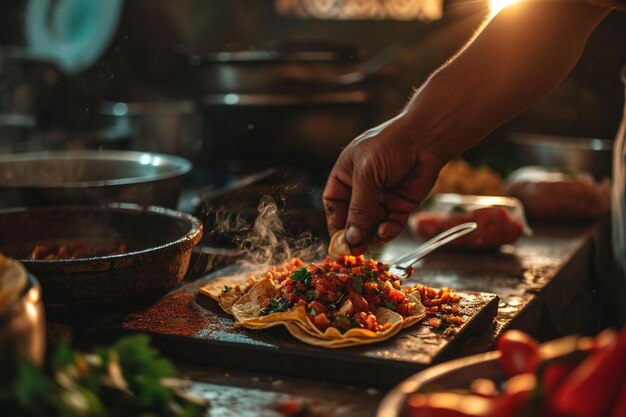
(302, 275)
(336, 304)
(390, 305)
(275, 305)
(226, 288)
(312, 312)
(371, 276)
(357, 284)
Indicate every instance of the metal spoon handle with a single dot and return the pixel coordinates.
(434, 243)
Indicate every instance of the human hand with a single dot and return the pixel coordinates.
(377, 181)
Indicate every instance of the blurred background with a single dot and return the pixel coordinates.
(238, 86)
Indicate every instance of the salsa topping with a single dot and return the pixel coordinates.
(343, 292)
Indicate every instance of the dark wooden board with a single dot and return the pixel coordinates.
(193, 328)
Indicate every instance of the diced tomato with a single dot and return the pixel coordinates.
(333, 296)
(317, 307)
(291, 407)
(359, 303)
(321, 321)
(455, 320)
(344, 277)
(396, 295)
(434, 322)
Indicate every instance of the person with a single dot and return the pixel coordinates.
(512, 61)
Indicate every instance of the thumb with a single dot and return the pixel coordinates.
(361, 218)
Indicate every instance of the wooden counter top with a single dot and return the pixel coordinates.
(549, 285)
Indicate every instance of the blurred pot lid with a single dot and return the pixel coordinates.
(71, 33)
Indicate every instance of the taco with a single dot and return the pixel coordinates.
(226, 290)
(343, 301)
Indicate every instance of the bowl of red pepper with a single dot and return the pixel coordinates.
(573, 376)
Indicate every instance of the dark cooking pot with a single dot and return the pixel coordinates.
(158, 243)
(87, 177)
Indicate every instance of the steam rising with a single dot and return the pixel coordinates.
(267, 241)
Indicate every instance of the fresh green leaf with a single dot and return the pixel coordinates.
(302, 275)
(91, 385)
(275, 305)
(390, 305)
(357, 284)
(336, 304)
(371, 276)
(63, 355)
(30, 385)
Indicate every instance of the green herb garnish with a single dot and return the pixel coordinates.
(275, 305)
(357, 284)
(335, 305)
(371, 276)
(126, 380)
(390, 305)
(302, 275)
(226, 288)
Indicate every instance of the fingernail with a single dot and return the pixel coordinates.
(354, 235)
(388, 231)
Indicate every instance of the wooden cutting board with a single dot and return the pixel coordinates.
(193, 328)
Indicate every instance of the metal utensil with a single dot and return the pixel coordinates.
(400, 266)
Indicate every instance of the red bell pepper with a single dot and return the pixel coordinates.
(592, 388)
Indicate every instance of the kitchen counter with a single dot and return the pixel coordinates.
(549, 284)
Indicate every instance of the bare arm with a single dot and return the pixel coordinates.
(517, 58)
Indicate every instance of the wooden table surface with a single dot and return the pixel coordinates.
(549, 285)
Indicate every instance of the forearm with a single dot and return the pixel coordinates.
(516, 59)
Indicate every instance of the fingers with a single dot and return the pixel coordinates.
(373, 188)
(364, 205)
(336, 200)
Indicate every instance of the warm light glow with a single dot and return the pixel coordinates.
(497, 5)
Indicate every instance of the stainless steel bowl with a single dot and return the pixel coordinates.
(587, 154)
(87, 177)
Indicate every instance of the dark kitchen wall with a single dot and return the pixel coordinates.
(148, 61)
